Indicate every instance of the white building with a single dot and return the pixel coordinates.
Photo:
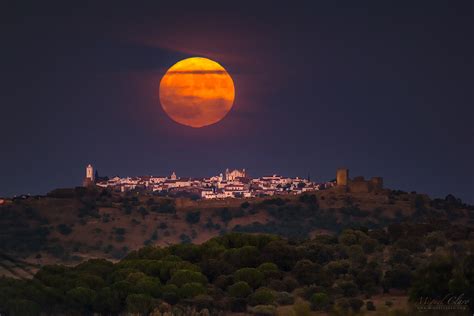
(233, 184)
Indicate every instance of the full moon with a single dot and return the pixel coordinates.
(197, 92)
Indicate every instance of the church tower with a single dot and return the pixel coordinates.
(89, 179)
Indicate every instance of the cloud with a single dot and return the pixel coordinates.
(198, 72)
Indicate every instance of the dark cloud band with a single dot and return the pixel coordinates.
(197, 72)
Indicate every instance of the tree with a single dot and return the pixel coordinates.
(81, 298)
(239, 289)
(139, 303)
(262, 296)
(122, 288)
(107, 301)
(306, 271)
(148, 285)
(251, 276)
(348, 237)
(399, 277)
(245, 256)
(369, 245)
(347, 288)
(182, 277)
(23, 307)
(280, 253)
(192, 289)
(337, 268)
(268, 267)
(432, 280)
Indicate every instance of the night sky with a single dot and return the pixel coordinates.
(382, 88)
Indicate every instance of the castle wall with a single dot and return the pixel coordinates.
(377, 183)
(360, 186)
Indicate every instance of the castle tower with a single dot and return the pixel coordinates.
(89, 179)
(377, 183)
(342, 177)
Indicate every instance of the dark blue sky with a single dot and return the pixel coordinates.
(383, 88)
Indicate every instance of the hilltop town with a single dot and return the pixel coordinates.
(107, 218)
(230, 184)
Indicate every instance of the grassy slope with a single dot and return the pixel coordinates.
(97, 236)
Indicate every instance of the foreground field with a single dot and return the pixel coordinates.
(392, 271)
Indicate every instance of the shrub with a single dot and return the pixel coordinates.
(143, 211)
(193, 217)
(203, 303)
(262, 296)
(185, 239)
(355, 304)
(119, 231)
(237, 305)
(290, 283)
(239, 290)
(319, 301)
(263, 310)
(225, 215)
(284, 298)
(369, 305)
(275, 284)
(64, 229)
(347, 288)
(163, 226)
(301, 309)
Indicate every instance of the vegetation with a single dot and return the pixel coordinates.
(404, 242)
(256, 273)
(193, 217)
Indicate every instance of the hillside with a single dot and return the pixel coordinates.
(407, 270)
(71, 225)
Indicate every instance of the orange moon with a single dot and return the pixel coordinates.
(197, 92)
